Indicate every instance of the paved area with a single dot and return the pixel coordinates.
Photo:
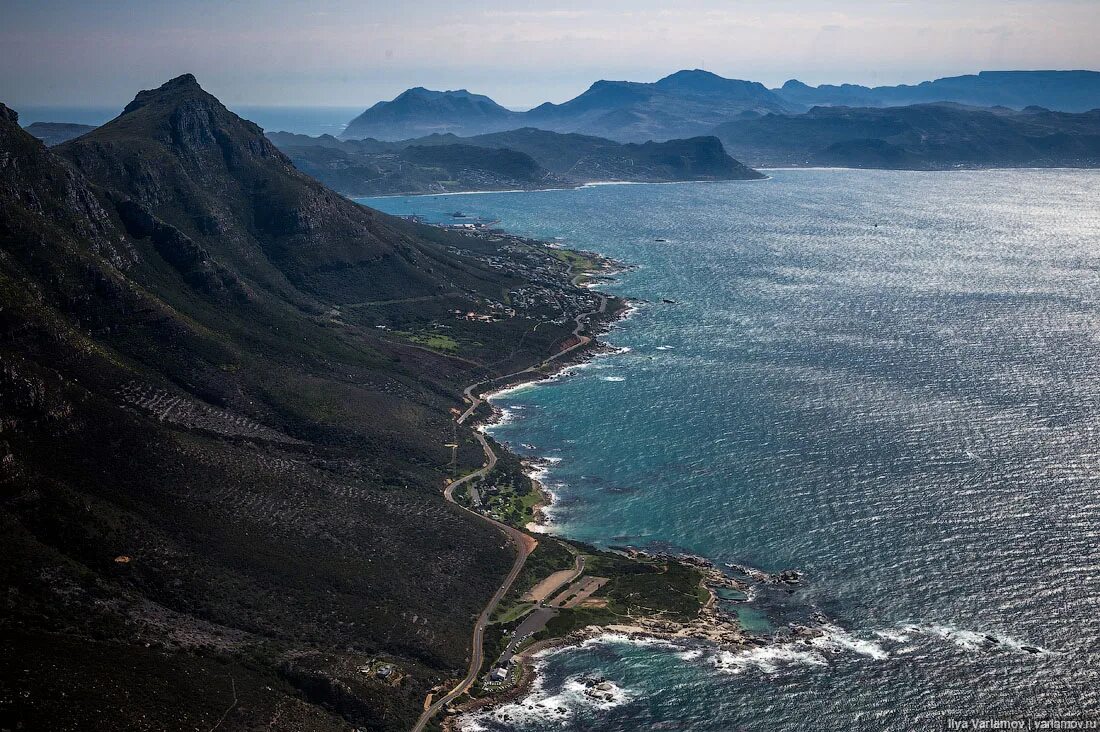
(578, 592)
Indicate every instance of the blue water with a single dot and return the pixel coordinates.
(302, 120)
(887, 380)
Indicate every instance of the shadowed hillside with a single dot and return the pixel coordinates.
(220, 480)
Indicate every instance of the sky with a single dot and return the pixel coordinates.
(521, 53)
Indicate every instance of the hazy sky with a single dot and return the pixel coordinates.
(345, 53)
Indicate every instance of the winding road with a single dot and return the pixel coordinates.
(524, 543)
(524, 546)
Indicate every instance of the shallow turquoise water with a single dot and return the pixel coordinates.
(887, 380)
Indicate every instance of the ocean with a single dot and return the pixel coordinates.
(889, 381)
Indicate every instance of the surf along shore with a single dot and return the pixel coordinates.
(561, 593)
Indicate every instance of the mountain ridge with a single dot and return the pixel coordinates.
(1059, 90)
(920, 136)
(682, 104)
(220, 475)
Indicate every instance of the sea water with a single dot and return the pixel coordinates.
(889, 381)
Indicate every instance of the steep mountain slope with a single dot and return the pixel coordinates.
(917, 136)
(421, 111)
(219, 492)
(684, 104)
(1067, 91)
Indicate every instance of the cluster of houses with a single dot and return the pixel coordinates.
(543, 290)
(476, 317)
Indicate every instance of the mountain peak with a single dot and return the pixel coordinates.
(8, 114)
(794, 85)
(691, 74)
(179, 116)
(182, 84)
(699, 81)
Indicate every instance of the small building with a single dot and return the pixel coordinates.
(498, 674)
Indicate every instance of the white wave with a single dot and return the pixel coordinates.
(509, 390)
(665, 348)
(613, 378)
(835, 638)
(975, 640)
(894, 636)
(579, 694)
(766, 659)
(621, 638)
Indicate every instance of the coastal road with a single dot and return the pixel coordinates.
(581, 322)
(524, 546)
(524, 543)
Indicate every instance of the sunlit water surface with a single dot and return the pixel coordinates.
(888, 380)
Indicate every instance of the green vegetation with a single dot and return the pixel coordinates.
(648, 587)
(431, 338)
(582, 261)
(567, 621)
(636, 588)
(507, 493)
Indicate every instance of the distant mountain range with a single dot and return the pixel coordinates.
(421, 111)
(527, 158)
(684, 104)
(921, 136)
(429, 141)
(691, 103)
(1065, 91)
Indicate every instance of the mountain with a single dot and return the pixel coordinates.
(684, 104)
(421, 111)
(55, 133)
(1067, 91)
(224, 424)
(922, 136)
(584, 158)
(527, 158)
(358, 168)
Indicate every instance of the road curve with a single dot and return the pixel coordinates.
(582, 340)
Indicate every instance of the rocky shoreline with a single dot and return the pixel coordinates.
(713, 627)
